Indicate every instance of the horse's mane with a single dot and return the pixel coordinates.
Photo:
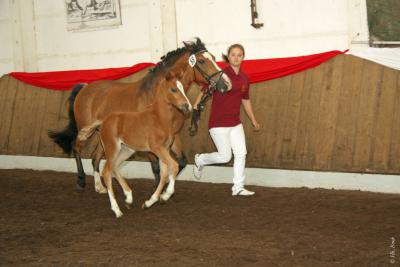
(168, 61)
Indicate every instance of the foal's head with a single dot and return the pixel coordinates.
(172, 92)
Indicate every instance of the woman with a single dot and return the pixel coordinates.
(224, 125)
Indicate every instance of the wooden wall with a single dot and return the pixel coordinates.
(343, 115)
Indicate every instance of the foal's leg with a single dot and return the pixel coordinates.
(165, 158)
(96, 156)
(173, 170)
(123, 155)
(112, 150)
(156, 195)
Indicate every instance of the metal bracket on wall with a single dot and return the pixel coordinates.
(254, 15)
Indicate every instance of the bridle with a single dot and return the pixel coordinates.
(207, 77)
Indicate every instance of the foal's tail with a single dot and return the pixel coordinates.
(88, 131)
(66, 138)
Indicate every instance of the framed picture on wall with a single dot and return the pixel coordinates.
(92, 14)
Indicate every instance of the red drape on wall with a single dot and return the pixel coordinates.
(65, 80)
(258, 70)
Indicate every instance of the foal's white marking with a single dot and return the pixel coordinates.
(170, 189)
(180, 87)
(114, 205)
(128, 195)
(98, 186)
(151, 201)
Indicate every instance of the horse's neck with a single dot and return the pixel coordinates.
(188, 77)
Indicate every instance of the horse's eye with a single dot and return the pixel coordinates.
(201, 61)
(174, 90)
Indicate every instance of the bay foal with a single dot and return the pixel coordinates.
(153, 130)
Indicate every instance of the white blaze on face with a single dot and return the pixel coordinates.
(224, 76)
(180, 87)
(209, 57)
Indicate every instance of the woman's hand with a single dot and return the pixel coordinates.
(256, 126)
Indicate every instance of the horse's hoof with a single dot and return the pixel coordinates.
(118, 214)
(80, 188)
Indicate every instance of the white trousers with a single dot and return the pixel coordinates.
(228, 139)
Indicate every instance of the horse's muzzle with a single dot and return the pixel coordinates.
(185, 108)
(221, 86)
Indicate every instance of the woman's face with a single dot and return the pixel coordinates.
(235, 57)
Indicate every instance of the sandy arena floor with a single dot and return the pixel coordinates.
(45, 222)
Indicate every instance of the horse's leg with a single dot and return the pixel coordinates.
(176, 148)
(97, 155)
(109, 168)
(124, 154)
(168, 168)
(81, 182)
(155, 167)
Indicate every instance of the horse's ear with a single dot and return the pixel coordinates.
(198, 41)
(188, 46)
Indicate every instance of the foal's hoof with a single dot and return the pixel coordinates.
(128, 205)
(164, 199)
(147, 205)
(102, 190)
(118, 214)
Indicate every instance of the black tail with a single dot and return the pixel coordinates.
(66, 138)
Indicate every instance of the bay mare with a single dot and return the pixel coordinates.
(153, 130)
(92, 102)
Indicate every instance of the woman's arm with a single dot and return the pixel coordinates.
(249, 111)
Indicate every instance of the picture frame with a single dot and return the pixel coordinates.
(83, 15)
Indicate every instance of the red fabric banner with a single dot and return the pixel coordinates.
(261, 70)
(258, 70)
(65, 80)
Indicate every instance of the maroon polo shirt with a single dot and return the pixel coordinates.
(225, 108)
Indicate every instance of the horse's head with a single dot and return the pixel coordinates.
(174, 93)
(205, 67)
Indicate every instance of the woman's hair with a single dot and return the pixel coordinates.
(225, 57)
